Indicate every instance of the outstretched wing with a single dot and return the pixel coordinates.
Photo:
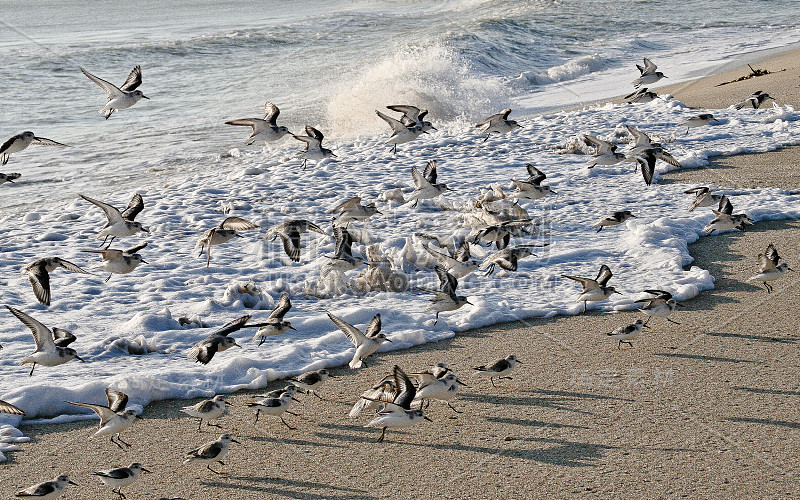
(135, 206)
(112, 214)
(374, 326)
(134, 80)
(405, 389)
(232, 326)
(116, 400)
(111, 90)
(603, 275)
(237, 224)
(281, 308)
(352, 333)
(9, 408)
(271, 113)
(430, 172)
(41, 334)
(103, 412)
(63, 338)
(447, 282)
(536, 176)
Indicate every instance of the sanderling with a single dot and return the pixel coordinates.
(265, 129)
(314, 149)
(605, 153)
(725, 218)
(274, 407)
(289, 233)
(274, 324)
(613, 219)
(114, 418)
(648, 74)
(498, 124)
(756, 99)
(500, 368)
(430, 387)
(120, 261)
(38, 273)
(10, 409)
(310, 381)
(9, 177)
(641, 96)
(342, 259)
(208, 410)
(226, 231)
(218, 341)
(398, 412)
(402, 131)
(507, 258)
(647, 160)
(414, 115)
(531, 189)
(460, 264)
(445, 299)
(661, 304)
(703, 198)
(594, 289)
(365, 343)
(351, 210)
(425, 185)
(499, 234)
(22, 141)
(120, 223)
(698, 121)
(47, 353)
(46, 490)
(121, 476)
(451, 394)
(383, 391)
(211, 452)
(625, 333)
(769, 268)
(119, 97)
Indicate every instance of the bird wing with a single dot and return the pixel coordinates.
(344, 241)
(9, 408)
(63, 338)
(420, 182)
(41, 334)
(447, 282)
(291, 244)
(207, 451)
(69, 266)
(314, 133)
(374, 327)
(40, 281)
(772, 254)
(536, 176)
(134, 80)
(117, 401)
(725, 205)
(8, 143)
(111, 90)
(135, 249)
(659, 294)
(110, 254)
(647, 161)
(118, 473)
(462, 253)
(41, 141)
(135, 206)
(257, 124)
(112, 214)
(352, 333)
(231, 326)
(405, 389)
(345, 205)
(103, 412)
(397, 126)
(237, 224)
(603, 275)
(640, 138)
(271, 113)
(430, 172)
(601, 147)
(443, 259)
(281, 308)
(588, 283)
(412, 112)
(666, 157)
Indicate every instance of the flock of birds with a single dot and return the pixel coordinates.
(394, 396)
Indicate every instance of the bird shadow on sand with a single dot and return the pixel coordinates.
(768, 421)
(294, 442)
(558, 400)
(705, 358)
(760, 338)
(757, 390)
(268, 485)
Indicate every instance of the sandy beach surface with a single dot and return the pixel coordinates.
(709, 408)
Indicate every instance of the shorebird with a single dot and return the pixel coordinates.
(264, 129)
(120, 261)
(413, 114)
(648, 74)
(22, 141)
(274, 324)
(365, 343)
(274, 407)
(769, 268)
(47, 353)
(698, 121)
(594, 289)
(218, 341)
(208, 410)
(605, 153)
(647, 160)
(211, 452)
(120, 223)
(310, 381)
(402, 132)
(46, 490)
(625, 333)
(352, 210)
(38, 273)
(314, 149)
(725, 218)
(507, 258)
(642, 143)
(498, 124)
(445, 299)
(500, 368)
(425, 185)
(661, 304)
(703, 198)
(119, 97)
(613, 219)
(114, 418)
(641, 96)
(430, 387)
(9, 177)
(460, 264)
(289, 232)
(499, 234)
(121, 476)
(342, 259)
(371, 398)
(756, 99)
(226, 231)
(531, 189)
(397, 413)
(10, 409)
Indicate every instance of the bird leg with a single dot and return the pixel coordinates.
(434, 324)
(584, 306)
(118, 444)
(768, 287)
(199, 424)
(209, 424)
(487, 138)
(601, 228)
(208, 255)
(208, 466)
(383, 434)
(305, 160)
(491, 379)
(257, 414)
(453, 408)
(110, 242)
(109, 277)
(671, 321)
(119, 438)
(104, 241)
(507, 378)
(287, 425)
(32, 367)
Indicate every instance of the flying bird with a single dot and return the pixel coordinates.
(274, 324)
(120, 223)
(117, 261)
(594, 289)
(314, 149)
(114, 418)
(47, 353)
(402, 131)
(498, 124)
(613, 219)
(264, 129)
(119, 97)
(397, 413)
(22, 141)
(661, 304)
(769, 268)
(218, 341)
(224, 232)
(648, 74)
(289, 232)
(366, 343)
(38, 273)
(445, 298)
(756, 99)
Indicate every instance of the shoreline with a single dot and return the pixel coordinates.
(692, 397)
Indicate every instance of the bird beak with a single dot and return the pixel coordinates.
(236, 345)
(426, 418)
(681, 305)
(552, 192)
(645, 326)
(520, 362)
(227, 403)
(235, 441)
(461, 383)
(389, 340)
(145, 470)
(292, 328)
(617, 292)
(295, 399)
(424, 132)
(468, 302)
(70, 482)
(434, 128)
(146, 230)
(145, 97)
(80, 358)
(332, 376)
(787, 268)
(144, 262)
(139, 417)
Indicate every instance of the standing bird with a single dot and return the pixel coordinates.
(289, 233)
(46, 490)
(211, 452)
(703, 198)
(114, 418)
(500, 368)
(498, 124)
(47, 353)
(120, 223)
(9, 177)
(648, 74)
(223, 233)
(366, 343)
(120, 261)
(531, 189)
(218, 341)
(10, 409)
(625, 333)
(314, 149)
(661, 304)
(594, 289)
(208, 410)
(425, 185)
(397, 413)
(613, 219)
(38, 273)
(310, 381)
(274, 407)
(698, 121)
(769, 268)
(265, 129)
(445, 299)
(22, 141)
(274, 324)
(412, 114)
(756, 99)
(121, 476)
(725, 219)
(402, 131)
(119, 97)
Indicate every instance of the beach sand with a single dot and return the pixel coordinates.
(709, 408)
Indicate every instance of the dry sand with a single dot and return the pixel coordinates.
(709, 408)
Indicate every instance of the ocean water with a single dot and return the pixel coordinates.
(331, 66)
